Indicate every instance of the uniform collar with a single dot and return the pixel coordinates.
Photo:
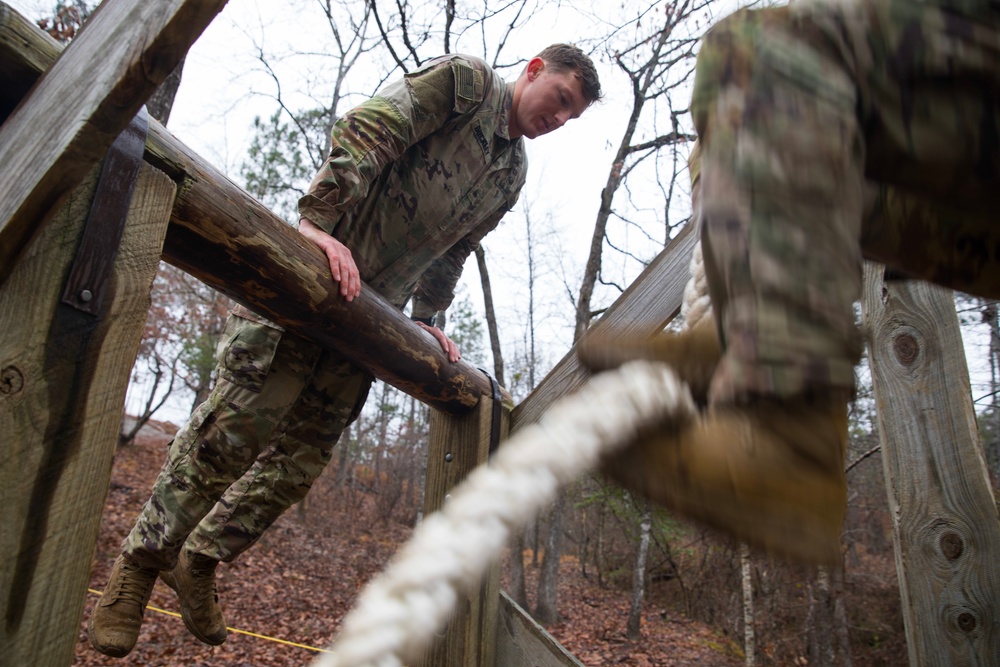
(503, 127)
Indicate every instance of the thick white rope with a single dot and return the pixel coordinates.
(697, 305)
(398, 614)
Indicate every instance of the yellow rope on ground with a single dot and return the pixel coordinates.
(236, 630)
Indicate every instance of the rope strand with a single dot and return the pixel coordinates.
(398, 613)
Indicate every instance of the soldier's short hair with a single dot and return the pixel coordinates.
(569, 58)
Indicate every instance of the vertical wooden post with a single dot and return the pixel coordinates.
(945, 523)
(457, 446)
(63, 375)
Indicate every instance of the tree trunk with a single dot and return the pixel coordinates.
(519, 589)
(841, 629)
(491, 321)
(749, 643)
(547, 609)
(634, 624)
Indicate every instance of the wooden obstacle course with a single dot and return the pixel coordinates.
(219, 234)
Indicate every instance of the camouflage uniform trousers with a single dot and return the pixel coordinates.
(795, 108)
(252, 449)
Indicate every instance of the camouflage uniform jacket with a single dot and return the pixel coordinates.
(417, 176)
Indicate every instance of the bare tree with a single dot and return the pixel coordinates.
(634, 623)
(658, 63)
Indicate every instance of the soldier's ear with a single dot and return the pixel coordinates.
(535, 67)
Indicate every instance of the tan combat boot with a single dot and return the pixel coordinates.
(194, 582)
(771, 474)
(114, 624)
(693, 353)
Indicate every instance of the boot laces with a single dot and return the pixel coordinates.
(134, 585)
(203, 578)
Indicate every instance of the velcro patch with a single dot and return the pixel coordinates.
(465, 83)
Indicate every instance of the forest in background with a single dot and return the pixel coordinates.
(796, 615)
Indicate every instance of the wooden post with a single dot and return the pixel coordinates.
(457, 446)
(945, 523)
(63, 375)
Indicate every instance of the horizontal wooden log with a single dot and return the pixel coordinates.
(228, 240)
(86, 99)
(224, 237)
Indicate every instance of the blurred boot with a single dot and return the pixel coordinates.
(194, 582)
(770, 473)
(114, 624)
(693, 353)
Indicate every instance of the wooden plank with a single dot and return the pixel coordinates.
(457, 446)
(945, 522)
(84, 101)
(647, 306)
(232, 239)
(64, 375)
(521, 641)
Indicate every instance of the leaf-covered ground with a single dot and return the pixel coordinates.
(299, 581)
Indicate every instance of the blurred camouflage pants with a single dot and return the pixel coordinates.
(252, 449)
(795, 107)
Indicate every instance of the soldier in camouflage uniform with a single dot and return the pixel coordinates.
(795, 107)
(417, 176)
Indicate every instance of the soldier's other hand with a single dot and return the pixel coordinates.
(342, 265)
(447, 344)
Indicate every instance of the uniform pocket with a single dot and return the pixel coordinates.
(246, 352)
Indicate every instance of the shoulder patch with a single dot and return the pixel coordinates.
(468, 83)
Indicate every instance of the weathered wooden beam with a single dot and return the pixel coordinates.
(649, 304)
(225, 238)
(522, 641)
(126, 49)
(457, 446)
(945, 522)
(63, 375)
(236, 246)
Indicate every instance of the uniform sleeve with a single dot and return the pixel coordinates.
(436, 288)
(377, 132)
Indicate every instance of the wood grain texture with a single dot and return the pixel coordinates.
(521, 641)
(458, 445)
(945, 521)
(126, 49)
(65, 374)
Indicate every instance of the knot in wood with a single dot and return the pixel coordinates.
(11, 380)
(951, 545)
(906, 348)
(966, 622)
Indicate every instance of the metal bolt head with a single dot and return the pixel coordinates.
(86, 295)
(449, 457)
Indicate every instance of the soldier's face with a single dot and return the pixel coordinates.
(547, 100)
